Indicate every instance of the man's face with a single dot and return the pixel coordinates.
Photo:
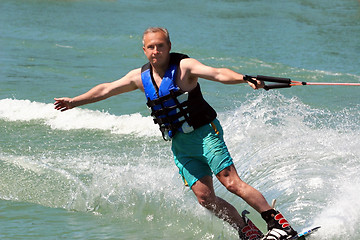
(156, 48)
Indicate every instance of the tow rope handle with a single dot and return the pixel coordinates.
(280, 82)
(287, 82)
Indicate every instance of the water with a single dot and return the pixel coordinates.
(102, 171)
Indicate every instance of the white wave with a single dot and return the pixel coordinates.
(78, 118)
(306, 158)
(340, 218)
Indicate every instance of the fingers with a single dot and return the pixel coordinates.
(256, 84)
(61, 104)
(260, 84)
(252, 83)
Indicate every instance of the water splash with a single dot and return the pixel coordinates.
(25, 110)
(306, 158)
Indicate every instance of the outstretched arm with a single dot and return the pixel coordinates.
(223, 75)
(129, 82)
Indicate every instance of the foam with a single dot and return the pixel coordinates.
(340, 218)
(78, 118)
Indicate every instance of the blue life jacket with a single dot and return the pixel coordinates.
(173, 109)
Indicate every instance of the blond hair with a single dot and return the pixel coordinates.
(154, 30)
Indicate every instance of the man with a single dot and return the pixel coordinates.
(170, 83)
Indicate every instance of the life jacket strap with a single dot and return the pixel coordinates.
(160, 100)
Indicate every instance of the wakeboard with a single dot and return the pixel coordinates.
(302, 235)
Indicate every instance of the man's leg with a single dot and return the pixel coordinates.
(231, 180)
(278, 226)
(205, 194)
(204, 191)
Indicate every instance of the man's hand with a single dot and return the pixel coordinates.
(256, 84)
(63, 104)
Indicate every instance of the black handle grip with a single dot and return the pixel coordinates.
(280, 85)
(273, 79)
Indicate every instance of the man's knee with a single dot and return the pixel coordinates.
(231, 180)
(207, 200)
(231, 185)
(235, 186)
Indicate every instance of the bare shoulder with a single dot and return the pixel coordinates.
(187, 74)
(195, 68)
(131, 81)
(189, 63)
(133, 77)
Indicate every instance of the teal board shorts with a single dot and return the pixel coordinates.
(201, 152)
